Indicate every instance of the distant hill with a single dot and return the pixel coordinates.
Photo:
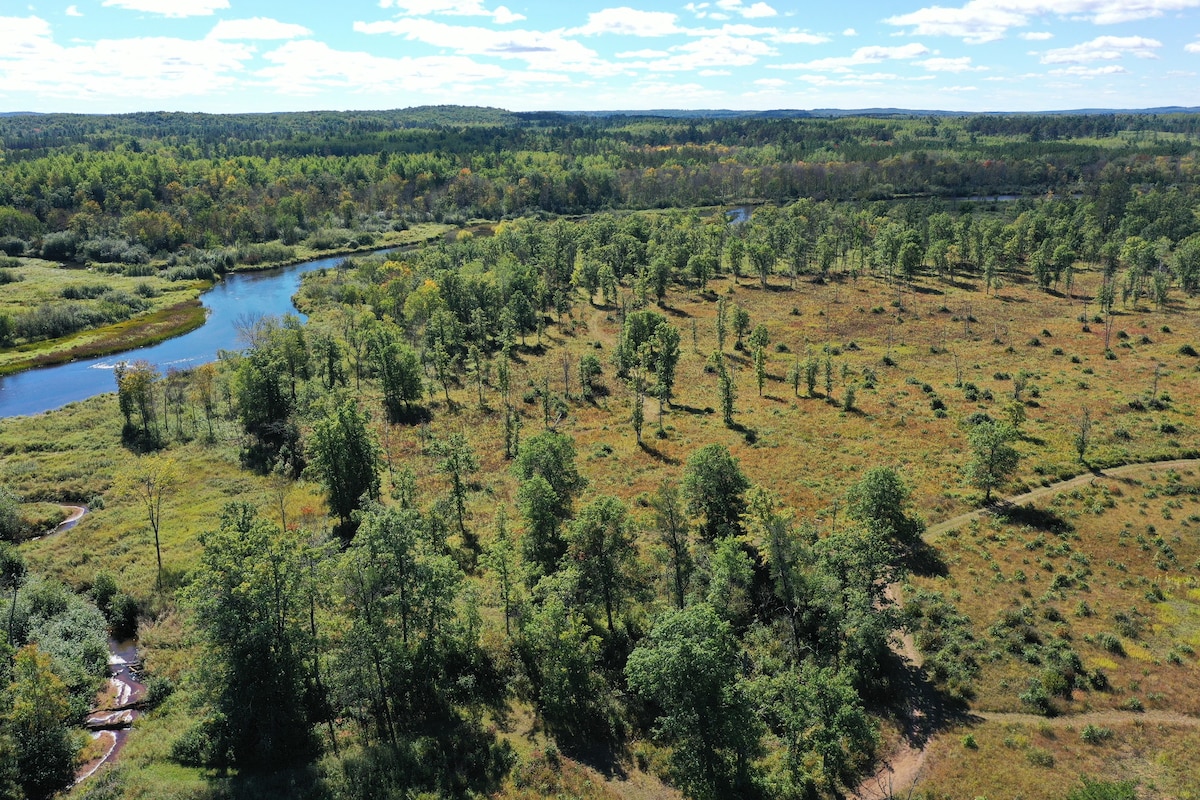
(670, 113)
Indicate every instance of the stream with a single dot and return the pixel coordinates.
(113, 724)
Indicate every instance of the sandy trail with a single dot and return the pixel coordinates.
(900, 771)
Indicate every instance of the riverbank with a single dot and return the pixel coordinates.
(119, 337)
(181, 318)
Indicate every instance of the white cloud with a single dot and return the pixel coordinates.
(257, 28)
(773, 83)
(628, 22)
(307, 67)
(171, 8)
(548, 50)
(1103, 48)
(73, 11)
(961, 89)
(452, 8)
(713, 52)
(864, 55)
(797, 37)
(759, 10)
(643, 54)
(753, 11)
(713, 73)
(1090, 72)
(849, 32)
(1192, 47)
(870, 79)
(950, 65)
(975, 25)
(1036, 36)
(145, 67)
(980, 21)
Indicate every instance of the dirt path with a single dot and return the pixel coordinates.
(899, 773)
(1045, 491)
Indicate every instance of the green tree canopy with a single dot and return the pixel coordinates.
(715, 488)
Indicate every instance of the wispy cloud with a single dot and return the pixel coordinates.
(257, 28)
(171, 8)
(626, 21)
(308, 67)
(73, 11)
(138, 67)
(452, 8)
(962, 64)
(981, 21)
(1103, 48)
(1090, 72)
(874, 54)
(542, 50)
(752, 11)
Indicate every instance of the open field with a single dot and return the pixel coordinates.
(1113, 558)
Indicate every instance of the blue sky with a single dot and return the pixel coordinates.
(274, 55)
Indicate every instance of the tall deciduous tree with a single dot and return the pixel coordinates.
(715, 488)
(149, 483)
(602, 551)
(458, 461)
(993, 458)
(690, 667)
(45, 752)
(672, 531)
(551, 455)
(249, 606)
(346, 459)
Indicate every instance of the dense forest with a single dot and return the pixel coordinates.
(609, 481)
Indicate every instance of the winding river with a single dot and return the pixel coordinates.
(241, 295)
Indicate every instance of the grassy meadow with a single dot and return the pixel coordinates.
(939, 352)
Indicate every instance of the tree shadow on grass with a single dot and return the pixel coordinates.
(605, 755)
(657, 454)
(1039, 519)
(692, 409)
(925, 560)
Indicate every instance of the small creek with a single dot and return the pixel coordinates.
(112, 723)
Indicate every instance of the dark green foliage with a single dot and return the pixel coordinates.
(993, 458)
(715, 489)
(345, 458)
(551, 455)
(248, 600)
(562, 659)
(690, 668)
(639, 330)
(881, 499)
(265, 406)
(1103, 790)
(828, 735)
(11, 527)
(602, 553)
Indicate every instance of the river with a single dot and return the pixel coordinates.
(241, 295)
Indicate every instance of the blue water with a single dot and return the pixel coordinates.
(240, 296)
